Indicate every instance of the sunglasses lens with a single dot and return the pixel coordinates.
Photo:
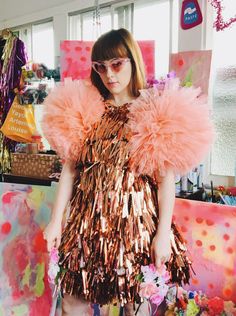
(117, 65)
(100, 68)
(114, 65)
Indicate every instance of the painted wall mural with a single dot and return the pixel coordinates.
(209, 231)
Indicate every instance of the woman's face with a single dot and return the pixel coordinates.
(115, 74)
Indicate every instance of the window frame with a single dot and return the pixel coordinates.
(49, 20)
(25, 33)
(116, 5)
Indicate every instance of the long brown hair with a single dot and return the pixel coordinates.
(116, 44)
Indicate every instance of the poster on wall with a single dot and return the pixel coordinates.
(75, 58)
(193, 68)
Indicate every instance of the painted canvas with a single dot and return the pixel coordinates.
(193, 68)
(209, 231)
(76, 55)
(24, 288)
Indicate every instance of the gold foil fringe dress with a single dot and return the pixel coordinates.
(113, 219)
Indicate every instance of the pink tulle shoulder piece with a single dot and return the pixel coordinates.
(70, 110)
(169, 130)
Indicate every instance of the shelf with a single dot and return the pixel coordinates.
(10, 178)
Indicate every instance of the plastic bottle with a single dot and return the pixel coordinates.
(184, 183)
(200, 176)
(177, 184)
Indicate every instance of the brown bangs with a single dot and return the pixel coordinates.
(108, 46)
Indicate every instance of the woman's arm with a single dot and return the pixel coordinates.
(52, 232)
(161, 246)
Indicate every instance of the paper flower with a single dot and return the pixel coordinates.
(158, 297)
(229, 308)
(53, 268)
(195, 303)
(153, 283)
(147, 290)
(215, 306)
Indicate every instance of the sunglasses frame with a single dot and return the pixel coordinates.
(108, 64)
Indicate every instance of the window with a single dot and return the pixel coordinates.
(123, 16)
(39, 42)
(131, 15)
(156, 27)
(223, 83)
(43, 44)
(85, 26)
(24, 33)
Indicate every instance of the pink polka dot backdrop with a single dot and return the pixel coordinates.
(75, 58)
(209, 231)
(148, 53)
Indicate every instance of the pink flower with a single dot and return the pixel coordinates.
(52, 272)
(53, 267)
(164, 278)
(157, 298)
(54, 257)
(215, 305)
(201, 300)
(147, 290)
(149, 273)
(229, 307)
(152, 268)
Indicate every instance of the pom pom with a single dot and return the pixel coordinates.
(70, 111)
(169, 130)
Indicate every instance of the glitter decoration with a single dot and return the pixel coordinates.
(219, 23)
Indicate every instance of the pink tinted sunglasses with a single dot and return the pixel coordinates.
(115, 64)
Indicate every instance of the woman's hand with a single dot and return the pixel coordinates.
(161, 249)
(52, 234)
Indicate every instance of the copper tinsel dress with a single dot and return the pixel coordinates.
(113, 218)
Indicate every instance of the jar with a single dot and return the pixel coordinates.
(37, 139)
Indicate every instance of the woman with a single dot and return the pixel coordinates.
(120, 143)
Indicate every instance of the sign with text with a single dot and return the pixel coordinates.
(190, 14)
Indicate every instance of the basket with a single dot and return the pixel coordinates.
(33, 165)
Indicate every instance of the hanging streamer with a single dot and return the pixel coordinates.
(219, 23)
(96, 20)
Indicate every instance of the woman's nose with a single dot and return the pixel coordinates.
(109, 72)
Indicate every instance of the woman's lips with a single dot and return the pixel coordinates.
(112, 84)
